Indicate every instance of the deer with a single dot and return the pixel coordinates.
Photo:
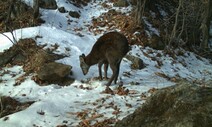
(109, 49)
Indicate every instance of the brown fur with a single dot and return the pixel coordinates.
(109, 49)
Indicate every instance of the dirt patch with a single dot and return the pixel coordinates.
(120, 90)
(113, 19)
(9, 106)
(26, 52)
(103, 123)
(33, 58)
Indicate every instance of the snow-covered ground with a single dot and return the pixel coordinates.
(61, 105)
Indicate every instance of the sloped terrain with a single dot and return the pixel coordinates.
(185, 104)
(87, 101)
(10, 106)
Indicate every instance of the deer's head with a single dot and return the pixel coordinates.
(83, 65)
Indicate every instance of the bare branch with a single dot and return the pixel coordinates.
(8, 38)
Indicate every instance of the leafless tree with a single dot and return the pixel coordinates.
(205, 24)
(36, 8)
(188, 24)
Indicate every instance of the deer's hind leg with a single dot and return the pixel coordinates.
(114, 60)
(100, 69)
(117, 71)
(114, 69)
(105, 70)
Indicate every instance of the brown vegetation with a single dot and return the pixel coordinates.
(9, 105)
(181, 23)
(185, 104)
(33, 58)
(15, 15)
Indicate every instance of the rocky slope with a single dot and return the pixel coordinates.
(183, 105)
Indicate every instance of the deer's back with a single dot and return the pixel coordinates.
(113, 42)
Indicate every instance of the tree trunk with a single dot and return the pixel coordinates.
(11, 11)
(36, 8)
(205, 25)
(174, 30)
(139, 11)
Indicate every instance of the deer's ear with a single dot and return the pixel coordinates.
(81, 57)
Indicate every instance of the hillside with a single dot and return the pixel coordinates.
(84, 101)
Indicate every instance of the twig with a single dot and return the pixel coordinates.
(173, 34)
(14, 39)
(8, 38)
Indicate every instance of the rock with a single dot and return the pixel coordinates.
(121, 3)
(156, 42)
(62, 10)
(74, 14)
(7, 57)
(54, 72)
(48, 4)
(137, 63)
(182, 105)
(15, 54)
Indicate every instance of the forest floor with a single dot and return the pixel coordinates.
(87, 101)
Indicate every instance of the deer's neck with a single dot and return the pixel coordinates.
(91, 59)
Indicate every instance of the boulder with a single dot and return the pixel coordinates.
(7, 57)
(183, 105)
(156, 42)
(48, 4)
(137, 63)
(54, 72)
(74, 14)
(62, 10)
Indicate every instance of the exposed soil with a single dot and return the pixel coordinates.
(9, 105)
(26, 52)
(32, 57)
(117, 20)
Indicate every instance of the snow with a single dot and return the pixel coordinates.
(61, 104)
(151, 29)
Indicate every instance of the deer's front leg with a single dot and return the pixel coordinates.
(105, 70)
(100, 70)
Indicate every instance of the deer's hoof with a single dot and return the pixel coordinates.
(100, 78)
(106, 78)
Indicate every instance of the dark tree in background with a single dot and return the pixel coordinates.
(16, 14)
(206, 20)
(139, 11)
(36, 8)
(187, 22)
(14, 11)
(47, 4)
